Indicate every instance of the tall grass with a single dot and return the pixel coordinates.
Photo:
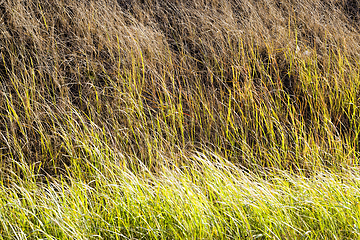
(179, 119)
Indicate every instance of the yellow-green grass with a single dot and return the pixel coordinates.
(210, 199)
(179, 119)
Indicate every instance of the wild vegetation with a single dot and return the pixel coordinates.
(179, 119)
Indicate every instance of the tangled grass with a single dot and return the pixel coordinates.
(182, 119)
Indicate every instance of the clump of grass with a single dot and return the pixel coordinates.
(179, 119)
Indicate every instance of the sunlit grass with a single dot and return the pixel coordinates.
(211, 198)
(179, 120)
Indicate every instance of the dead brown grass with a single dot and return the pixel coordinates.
(153, 78)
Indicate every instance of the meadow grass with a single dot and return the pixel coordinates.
(180, 119)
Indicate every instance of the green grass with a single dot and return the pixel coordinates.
(179, 119)
(211, 199)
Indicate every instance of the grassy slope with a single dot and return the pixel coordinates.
(179, 119)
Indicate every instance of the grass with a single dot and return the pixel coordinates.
(179, 119)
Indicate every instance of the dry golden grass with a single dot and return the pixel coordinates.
(232, 76)
(155, 106)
